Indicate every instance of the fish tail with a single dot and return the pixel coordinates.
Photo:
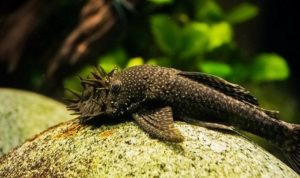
(292, 148)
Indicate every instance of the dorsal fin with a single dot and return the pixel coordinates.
(271, 113)
(230, 89)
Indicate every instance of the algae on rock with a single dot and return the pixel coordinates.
(124, 150)
(24, 114)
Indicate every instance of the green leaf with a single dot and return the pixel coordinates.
(269, 67)
(108, 64)
(161, 61)
(242, 13)
(120, 56)
(215, 68)
(73, 81)
(161, 2)
(166, 33)
(114, 58)
(135, 62)
(208, 11)
(240, 72)
(194, 39)
(220, 34)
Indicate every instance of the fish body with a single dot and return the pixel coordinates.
(156, 96)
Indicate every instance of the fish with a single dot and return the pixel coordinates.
(155, 96)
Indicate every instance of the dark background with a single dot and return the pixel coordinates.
(281, 33)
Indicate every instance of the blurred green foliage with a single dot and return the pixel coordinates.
(161, 2)
(197, 35)
(242, 13)
(268, 67)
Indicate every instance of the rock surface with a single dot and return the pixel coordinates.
(24, 114)
(124, 150)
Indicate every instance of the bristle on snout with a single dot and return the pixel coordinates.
(91, 99)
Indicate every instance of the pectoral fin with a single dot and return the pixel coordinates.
(158, 123)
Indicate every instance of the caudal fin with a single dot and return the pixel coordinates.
(292, 149)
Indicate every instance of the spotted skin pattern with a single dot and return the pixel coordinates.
(155, 96)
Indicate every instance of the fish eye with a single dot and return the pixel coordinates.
(116, 86)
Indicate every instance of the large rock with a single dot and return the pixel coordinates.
(124, 150)
(24, 114)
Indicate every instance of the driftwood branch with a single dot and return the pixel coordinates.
(17, 28)
(96, 19)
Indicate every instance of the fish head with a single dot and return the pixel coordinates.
(98, 96)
